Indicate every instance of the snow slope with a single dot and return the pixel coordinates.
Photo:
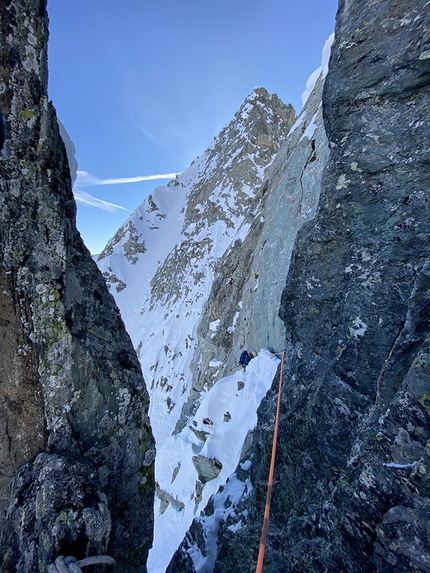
(160, 266)
(217, 431)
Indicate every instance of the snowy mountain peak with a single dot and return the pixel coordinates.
(216, 190)
(161, 266)
(261, 120)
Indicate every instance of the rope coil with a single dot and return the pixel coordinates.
(72, 565)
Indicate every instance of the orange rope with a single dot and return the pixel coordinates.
(271, 472)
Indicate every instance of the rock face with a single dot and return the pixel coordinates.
(77, 451)
(246, 294)
(351, 489)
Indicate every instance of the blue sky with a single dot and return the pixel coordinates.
(143, 87)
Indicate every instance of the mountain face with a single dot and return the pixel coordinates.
(242, 308)
(351, 489)
(77, 451)
(339, 217)
(162, 262)
(161, 266)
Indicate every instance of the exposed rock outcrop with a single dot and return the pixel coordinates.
(246, 292)
(351, 488)
(249, 279)
(77, 468)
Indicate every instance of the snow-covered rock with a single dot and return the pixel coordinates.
(162, 261)
(242, 308)
(161, 265)
(192, 465)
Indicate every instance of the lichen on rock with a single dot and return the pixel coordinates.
(72, 396)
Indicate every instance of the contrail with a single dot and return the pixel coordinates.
(85, 179)
(88, 199)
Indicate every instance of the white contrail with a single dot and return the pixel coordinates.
(88, 199)
(85, 179)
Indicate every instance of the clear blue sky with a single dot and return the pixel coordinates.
(143, 87)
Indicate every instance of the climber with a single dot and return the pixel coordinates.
(245, 359)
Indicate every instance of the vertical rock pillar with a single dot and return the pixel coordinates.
(76, 446)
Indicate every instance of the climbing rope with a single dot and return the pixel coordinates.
(271, 472)
(71, 565)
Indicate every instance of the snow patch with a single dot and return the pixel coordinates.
(209, 434)
(297, 123)
(323, 69)
(399, 466)
(309, 131)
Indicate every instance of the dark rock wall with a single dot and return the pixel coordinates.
(77, 450)
(352, 486)
(371, 239)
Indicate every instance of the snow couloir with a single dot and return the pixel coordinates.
(193, 465)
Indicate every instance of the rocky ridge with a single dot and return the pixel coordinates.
(77, 449)
(182, 230)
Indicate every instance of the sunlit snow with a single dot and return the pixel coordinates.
(310, 84)
(227, 413)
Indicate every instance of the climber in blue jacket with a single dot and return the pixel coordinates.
(245, 358)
